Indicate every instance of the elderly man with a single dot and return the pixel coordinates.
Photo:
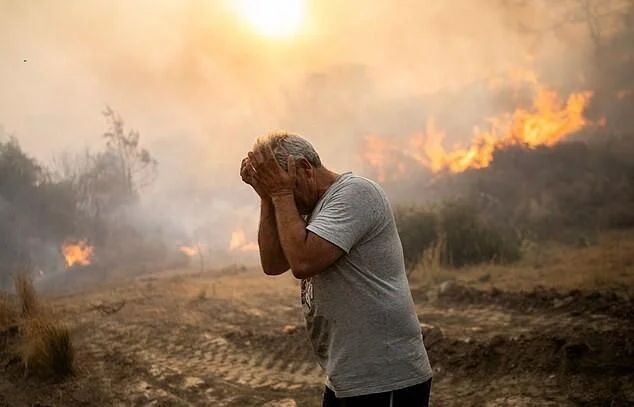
(336, 233)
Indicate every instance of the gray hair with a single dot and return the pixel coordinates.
(285, 145)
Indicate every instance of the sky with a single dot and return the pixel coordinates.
(200, 82)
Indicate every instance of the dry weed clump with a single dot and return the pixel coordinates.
(202, 295)
(430, 271)
(43, 343)
(27, 296)
(46, 347)
(8, 312)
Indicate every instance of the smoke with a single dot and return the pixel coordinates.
(200, 86)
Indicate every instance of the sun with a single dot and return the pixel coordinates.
(273, 18)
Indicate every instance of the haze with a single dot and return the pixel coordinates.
(200, 84)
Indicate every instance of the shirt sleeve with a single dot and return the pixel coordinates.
(348, 215)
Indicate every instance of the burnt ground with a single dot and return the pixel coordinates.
(236, 339)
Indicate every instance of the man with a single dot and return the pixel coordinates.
(336, 233)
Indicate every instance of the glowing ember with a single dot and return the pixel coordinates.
(188, 250)
(547, 122)
(239, 242)
(78, 253)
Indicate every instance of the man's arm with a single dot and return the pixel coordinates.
(272, 256)
(307, 253)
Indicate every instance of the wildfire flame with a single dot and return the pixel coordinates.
(548, 121)
(239, 242)
(77, 253)
(188, 250)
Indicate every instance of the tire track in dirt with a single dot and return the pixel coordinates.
(183, 365)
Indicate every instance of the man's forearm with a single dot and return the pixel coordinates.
(291, 229)
(272, 256)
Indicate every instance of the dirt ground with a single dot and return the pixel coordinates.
(235, 338)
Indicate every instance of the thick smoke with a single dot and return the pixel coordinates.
(200, 86)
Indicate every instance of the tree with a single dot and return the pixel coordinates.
(138, 169)
(33, 209)
(107, 181)
(84, 196)
(598, 16)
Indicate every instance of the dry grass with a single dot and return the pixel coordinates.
(202, 294)
(429, 270)
(607, 265)
(8, 312)
(46, 347)
(44, 344)
(26, 294)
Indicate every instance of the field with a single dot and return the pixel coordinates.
(554, 330)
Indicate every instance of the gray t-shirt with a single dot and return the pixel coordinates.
(359, 311)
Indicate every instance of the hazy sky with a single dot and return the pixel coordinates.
(200, 83)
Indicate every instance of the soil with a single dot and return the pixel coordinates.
(237, 339)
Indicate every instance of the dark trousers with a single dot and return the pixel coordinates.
(414, 396)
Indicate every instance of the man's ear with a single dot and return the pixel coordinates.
(305, 167)
(303, 163)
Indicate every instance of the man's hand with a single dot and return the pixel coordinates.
(247, 173)
(269, 176)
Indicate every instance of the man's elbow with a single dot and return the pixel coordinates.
(274, 269)
(304, 270)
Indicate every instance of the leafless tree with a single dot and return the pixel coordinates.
(138, 167)
(600, 17)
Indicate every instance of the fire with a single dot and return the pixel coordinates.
(239, 242)
(78, 253)
(189, 250)
(375, 153)
(548, 121)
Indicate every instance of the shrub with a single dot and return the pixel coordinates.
(468, 240)
(417, 228)
(456, 234)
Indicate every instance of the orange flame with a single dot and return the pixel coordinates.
(239, 242)
(188, 250)
(376, 153)
(547, 122)
(78, 253)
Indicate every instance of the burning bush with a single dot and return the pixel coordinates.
(457, 233)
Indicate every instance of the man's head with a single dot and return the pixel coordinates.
(289, 145)
(312, 176)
